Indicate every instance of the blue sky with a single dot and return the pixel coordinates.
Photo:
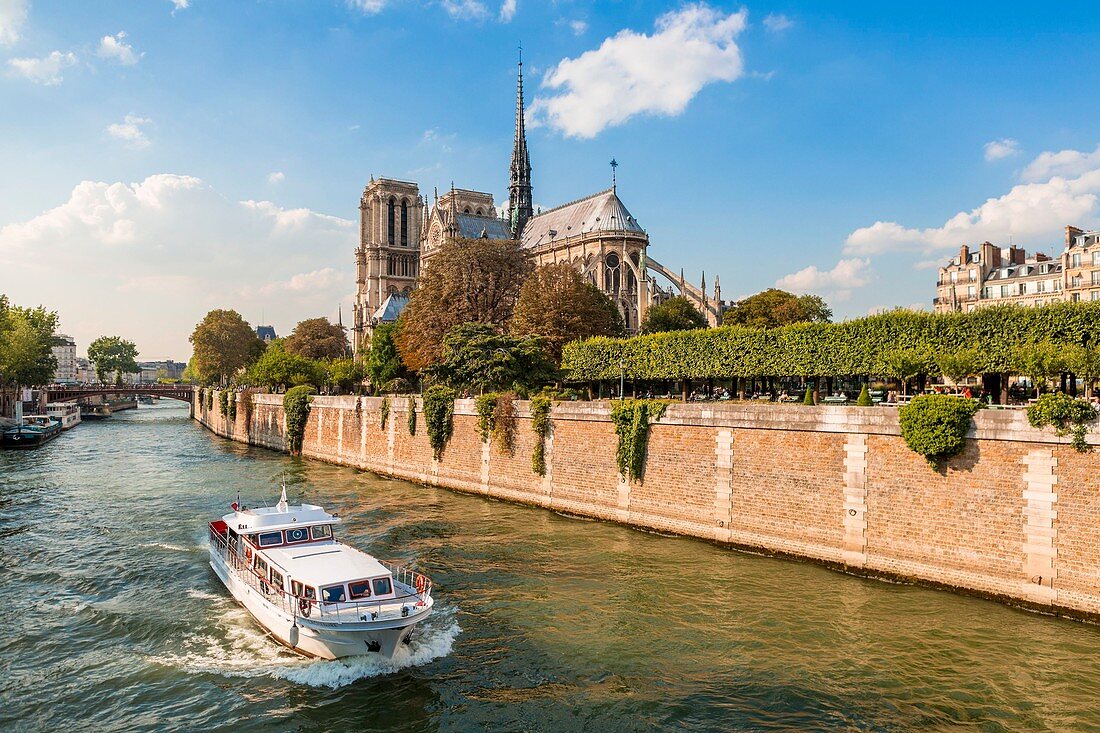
(212, 155)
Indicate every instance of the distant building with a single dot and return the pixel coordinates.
(65, 353)
(266, 334)
(1081, 264)
(85, 372)
(151, 371)
(991, 275)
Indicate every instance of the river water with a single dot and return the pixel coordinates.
(113, 620)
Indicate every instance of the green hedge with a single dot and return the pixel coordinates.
(935, 426)
(296, 407)
(854, 347)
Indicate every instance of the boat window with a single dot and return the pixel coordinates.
(321, 532)
(296, 588)
(268, 539)
(297, 534)
(261, 566)
(382, 586)
(276, 579)
(359, 589)
(333, 594)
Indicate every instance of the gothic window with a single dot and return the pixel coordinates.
(479, 212)
(612, 275)
(631, 283)
(405, 266)
(404, 223)
(390, 222)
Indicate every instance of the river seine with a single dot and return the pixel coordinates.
(112, 619)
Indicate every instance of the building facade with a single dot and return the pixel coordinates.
(596, 234)
(65, 352)
(1081, 264)
(991, 275)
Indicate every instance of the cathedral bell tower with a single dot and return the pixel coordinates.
(519, 182)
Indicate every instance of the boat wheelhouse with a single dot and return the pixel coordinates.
(316, 595)
(67, 412)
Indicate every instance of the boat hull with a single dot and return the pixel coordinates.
(317, 638)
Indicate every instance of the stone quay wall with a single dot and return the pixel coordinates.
(1015, 516)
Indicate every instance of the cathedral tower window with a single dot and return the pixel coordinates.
(612, 279)
(390, 222)
(404, 223)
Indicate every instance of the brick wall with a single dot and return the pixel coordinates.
(1016, 516)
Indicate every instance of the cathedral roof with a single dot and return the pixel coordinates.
(391, 308)
(473, 226)
(600, 212)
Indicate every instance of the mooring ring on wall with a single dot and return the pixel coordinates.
(852, 512)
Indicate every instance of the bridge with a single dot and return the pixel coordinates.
(68, 393)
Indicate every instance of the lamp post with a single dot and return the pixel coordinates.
(622, 378)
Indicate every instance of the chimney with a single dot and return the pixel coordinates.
(964, 254)
(991, 255)
(1016, 255)
(1072, 232)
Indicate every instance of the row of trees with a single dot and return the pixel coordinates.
(26, 342)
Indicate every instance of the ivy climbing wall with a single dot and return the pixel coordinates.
(1015, 516)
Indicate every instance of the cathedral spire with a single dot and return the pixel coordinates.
(519, 181)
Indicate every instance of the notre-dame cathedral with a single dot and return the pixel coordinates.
(399, 232)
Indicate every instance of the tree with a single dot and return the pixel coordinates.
(904, 364)
(277, 368)
(479, 357)
(958, 365)
(224, 343)
(113, 354)
(383, 362)
(1039, 362)
(26, 341)
(465, 281)
(773, 308)
(1084, 362)
(317, 338)
(675, 314)
(558, 305)
(346, 374)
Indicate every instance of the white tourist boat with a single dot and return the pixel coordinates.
(314, 594)
(67, 412)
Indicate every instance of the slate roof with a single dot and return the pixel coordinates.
(1028, 269)
(391, 308)
(472, 226)
(600, 212)
(265, 333)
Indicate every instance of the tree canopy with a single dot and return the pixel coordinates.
(26, 342)
(224, 344)
(383, 363)
(675, 314)
(478, 356)
(773, 308)
(558, 305)
(113, 354)
(465, 281)
(317, 338)
(279, 368)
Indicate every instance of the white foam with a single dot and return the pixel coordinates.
(244, 650)
(205, 596)
(165, 546)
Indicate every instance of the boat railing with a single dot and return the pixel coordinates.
(412, 590)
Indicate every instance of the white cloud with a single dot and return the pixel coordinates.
(180, 5)
(323, 279)
(1031, 214)
(13, 14)
(1065, 163)
(1006, 147)
(276, 177)
(777, 22)
(46, 70)
(507, 11)
(466, 9)
(130, 131)
(578, 27)
(186, 249)
(836, 283)
(635, 73)
(368, 7)
(114, 47)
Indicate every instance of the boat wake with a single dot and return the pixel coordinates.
(168, 547)
(239, 648)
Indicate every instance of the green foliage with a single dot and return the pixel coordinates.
(632, 419)
(113, 354)
(1039, 362)
(958, 365)
(834, 349)
(774, 308)
(385, 410)
(316, 338)
(935, 425)
(397, 386)
(1084, 362)
(296, 408)
(486, 406)
(675, 314)
(347, 374)
(540, 424)
(231, 407)
(479, 357)
(864, 399)
(1066, 414)
(439, 409)
(504, 423)
(247, 405)
(209, 400)
(223, 402)
(383, 363)
(224, 344)
(26, 341)
(412, 415)
(278, 368)
(808, 398)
